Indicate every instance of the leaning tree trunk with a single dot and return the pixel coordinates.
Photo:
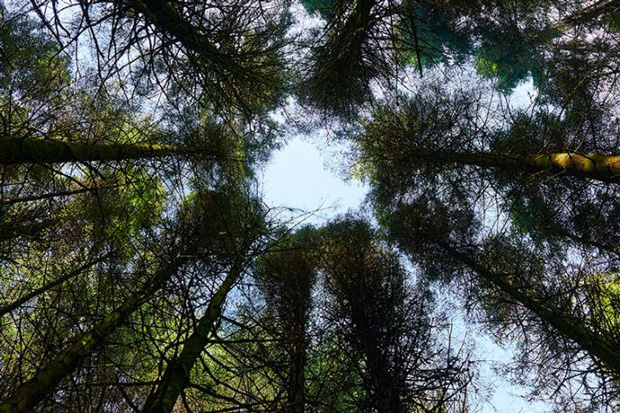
(177, 374)
(41, 290)
(571, 328)
(594, 166)
(47, 378)
(30, 150)
(57, 194)
(168, 19)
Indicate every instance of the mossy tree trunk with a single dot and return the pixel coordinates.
(594, 166)
(571, 328)
(30, 150)
(48, 377)
(178, 371)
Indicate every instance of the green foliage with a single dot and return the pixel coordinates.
(604, 292)
(325, 319)
(510, 55)
(31, 68)
(325, 8)
(132, 203)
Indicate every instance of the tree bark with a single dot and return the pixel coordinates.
(168, 19)
(604, 168)
(47, 378)
(177, 374)
(17, 150)
(15, 304)
(40, 197)
(296, 381)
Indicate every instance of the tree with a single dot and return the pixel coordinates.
(366, 42)
(233, 59)
(347, 59)
(415, 155)
(34, 78)
(511, 284)
(241, 226)
(47, 378)
(287, 278)
(386, 325)
(405, 138)
(140, 269)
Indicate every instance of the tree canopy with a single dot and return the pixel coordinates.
(141, 269)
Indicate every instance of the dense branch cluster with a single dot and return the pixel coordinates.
(141, 270)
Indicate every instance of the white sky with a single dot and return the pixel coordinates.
(298, 177)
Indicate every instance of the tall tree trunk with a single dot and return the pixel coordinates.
(383, 390)
(177, 374)
(47, 378)
(15, 304)
(40, 197)
(296, 380)
(169, 20)
(17, 150)
(380, 382)
(594, 166)
(571, 328)
(162, 14)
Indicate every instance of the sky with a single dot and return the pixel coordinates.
(303, 176)
(299, 176)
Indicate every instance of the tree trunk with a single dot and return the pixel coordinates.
(177, 374)
(380, 382)
(15, 304)
(17, 150)
(40, 197)
(296, 391)
(47, 378)
(594, 166)
(570, 328)
(168, 19)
